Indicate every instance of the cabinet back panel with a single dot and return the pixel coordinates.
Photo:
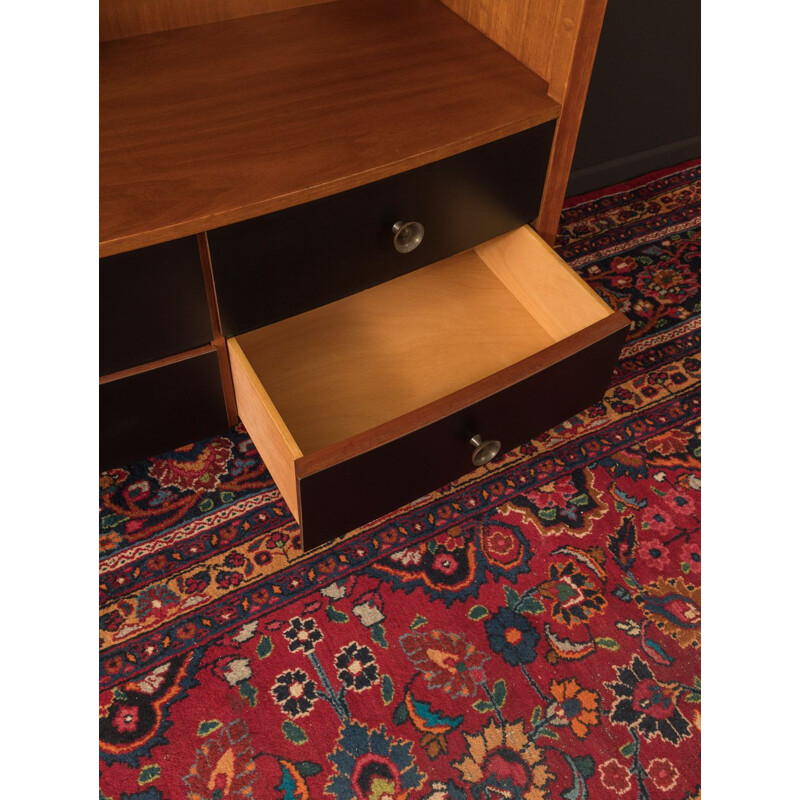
(152, 304)
(122, 18)
(160, 409)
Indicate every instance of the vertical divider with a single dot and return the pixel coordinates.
(218, 340)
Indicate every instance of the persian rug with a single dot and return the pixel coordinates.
(531, 631)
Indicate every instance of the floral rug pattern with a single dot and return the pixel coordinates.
(530, 631)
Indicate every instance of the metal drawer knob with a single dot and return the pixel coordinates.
(484, 451)
(407, 236)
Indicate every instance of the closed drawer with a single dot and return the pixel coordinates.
(273, 267)
(366, 403)
(152, 304)
(160, 409)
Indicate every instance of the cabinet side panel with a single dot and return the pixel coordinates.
(557, 39)
(122, 18)
(573, 59)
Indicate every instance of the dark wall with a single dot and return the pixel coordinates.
(643, 107)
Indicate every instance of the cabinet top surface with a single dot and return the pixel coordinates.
(209, 125)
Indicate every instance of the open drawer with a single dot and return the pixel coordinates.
(367, 403)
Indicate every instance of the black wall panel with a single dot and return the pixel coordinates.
(643, 107)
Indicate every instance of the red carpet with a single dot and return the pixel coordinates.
(532, 631)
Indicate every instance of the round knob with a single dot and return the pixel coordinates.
(484, 451)
(407, 236)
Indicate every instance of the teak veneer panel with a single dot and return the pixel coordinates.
(524, 28)
(209, 125)
(575, 46)
(122, 18)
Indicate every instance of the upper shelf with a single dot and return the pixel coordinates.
(213, 124)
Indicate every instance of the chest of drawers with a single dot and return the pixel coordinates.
(315, 220)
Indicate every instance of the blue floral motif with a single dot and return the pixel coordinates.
(370, 762)
(512, 636)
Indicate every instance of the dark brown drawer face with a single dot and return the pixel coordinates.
(341, 497)
(160, 409)
(152, 304)
(282, 264)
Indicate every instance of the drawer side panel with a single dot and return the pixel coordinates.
(264, 424)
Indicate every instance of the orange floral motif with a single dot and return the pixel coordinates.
(447, 660)
(224, 766)
(573, 706)
(109, 540)
(501, 762)
(669, 443)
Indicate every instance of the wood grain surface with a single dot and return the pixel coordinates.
(613, 326)
(575, 47)
(122, 18)
(148, 366)
(213, 124)
(352, 365)
(218, 341)
(267, 429)
(551, 292)
(524, 28)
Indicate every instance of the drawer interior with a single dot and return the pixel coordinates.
(346, 367)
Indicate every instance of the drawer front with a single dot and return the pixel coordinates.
(158, 410)
(282, 264)
(152, 304)
(346, 495)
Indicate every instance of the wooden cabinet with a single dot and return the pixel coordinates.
(358, 175)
